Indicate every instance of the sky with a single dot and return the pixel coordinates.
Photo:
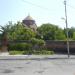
(42, 11)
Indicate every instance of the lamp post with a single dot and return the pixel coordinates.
(66, 28)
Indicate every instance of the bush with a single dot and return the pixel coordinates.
(16, 52)
(43, 52)
(29, 52)
(20, 46)
(39, 52)
(39, 42)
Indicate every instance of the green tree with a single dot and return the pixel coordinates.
(70, 32)
(50, 32)
(4, 36)
(74, 36)
(20, 32)
(59, 35)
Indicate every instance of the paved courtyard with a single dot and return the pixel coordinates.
(40, 66)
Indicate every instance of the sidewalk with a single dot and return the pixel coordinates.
(34, 57)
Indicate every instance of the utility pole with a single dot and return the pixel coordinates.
(66, 28)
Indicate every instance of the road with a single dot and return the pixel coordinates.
(40, 66)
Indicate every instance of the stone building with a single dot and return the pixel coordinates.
(30, 22)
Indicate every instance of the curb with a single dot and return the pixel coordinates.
(33, 57)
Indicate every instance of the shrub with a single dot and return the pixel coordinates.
(39, 52)
(16, 52)
(29, 52)
(20, 46)
(43, 52)
(41, 42)
(37, 43)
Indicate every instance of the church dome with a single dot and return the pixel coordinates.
(28, 18)
(30, 22)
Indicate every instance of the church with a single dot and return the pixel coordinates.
(30, 23)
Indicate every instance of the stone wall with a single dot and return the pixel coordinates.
(60, 46)
(56, 46)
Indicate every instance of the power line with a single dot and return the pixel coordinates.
(71, 6)
(44, 8)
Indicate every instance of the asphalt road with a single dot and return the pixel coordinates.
(56, 66)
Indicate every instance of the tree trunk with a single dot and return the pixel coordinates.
(4, 43)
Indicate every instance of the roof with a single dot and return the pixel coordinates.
(28, 18)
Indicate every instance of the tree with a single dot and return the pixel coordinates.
(59, 34)
(15, 31)
(70, 32)
(4, 37)
(51, 32)
(20, 32)
(74, 36)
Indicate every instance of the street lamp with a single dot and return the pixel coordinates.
(66, 28)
